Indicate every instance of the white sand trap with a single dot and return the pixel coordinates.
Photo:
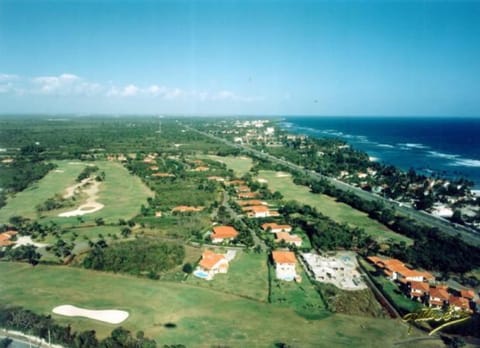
(262, 181)
(59, 171)
(27, 240)
(282, 175)
(91, 205)
(111, 316)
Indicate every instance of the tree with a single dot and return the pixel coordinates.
(187, 268)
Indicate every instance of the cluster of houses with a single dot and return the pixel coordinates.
(213, 263)
(421, 286)
(249, 202)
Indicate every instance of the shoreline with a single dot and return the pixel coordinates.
(26, 339)
(295, 129)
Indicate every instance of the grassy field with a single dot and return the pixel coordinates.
(54, 182)
(339, 212)
(247, 276)
(239, 165)
(203, 317)
(121, 193)
(302, 297)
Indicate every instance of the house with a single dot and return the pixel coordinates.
(468, 294)
(284, 262)
(201, 169)
(186, 209)
(154, 168)
(288, 238)
(216, 178)
(275, 228)
(247, 195)
(459, 303)
(257, 211)
(5, 238)
(211, 264)
(419, 289)
(243, 188)
(251, 202)
(222, 233)
(396, 270)
(438, 296)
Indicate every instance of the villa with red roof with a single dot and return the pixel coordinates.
(459, 303)
(275, 228)
(419, 289)
(248, 195)
(284, 262)
(5, 238)
(211, 264)
(186, 209)
(251, 202)
(438, 296)
(223, 233)
(288, 238)
(396, 270)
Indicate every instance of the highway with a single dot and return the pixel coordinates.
(469, 235)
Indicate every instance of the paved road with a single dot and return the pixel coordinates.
(468, 235)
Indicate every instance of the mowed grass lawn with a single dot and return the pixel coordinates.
(247, 276)
(302, 297)
(56, 181)
(239, 164)
(339, 212)
(121, 193)
(203, 317)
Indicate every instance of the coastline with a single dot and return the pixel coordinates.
(27, 339)
(401, 151)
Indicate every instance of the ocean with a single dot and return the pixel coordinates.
(445, 146)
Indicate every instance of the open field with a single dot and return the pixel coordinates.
(339, 212)
(203, 317)
(121, 194)
(302, 297)
(239, 164)
(247, 276)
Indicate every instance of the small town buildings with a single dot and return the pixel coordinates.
(419, 289)
(211, 264)
(243, 188)
(396, 270)
(459, 303)
(468, 294)
(284, 262)
(259, 211)
(275, 228)
(247, 195)
(201, 169)
(221, 234)
(438, 296)
(236, 182)
(288, 238)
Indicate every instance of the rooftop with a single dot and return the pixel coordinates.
(284, 257)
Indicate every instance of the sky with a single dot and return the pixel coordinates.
(240, 57)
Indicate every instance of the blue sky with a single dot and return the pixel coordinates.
(240, 57)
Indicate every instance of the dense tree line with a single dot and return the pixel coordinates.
(43, 326)
(142, 256)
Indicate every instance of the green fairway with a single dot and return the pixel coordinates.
(24, 203)
(121, 194)
(339, 212)
(203, 317)
(239, 165)
(247, 276)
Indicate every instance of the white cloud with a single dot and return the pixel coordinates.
(68, 84)
(8, 77)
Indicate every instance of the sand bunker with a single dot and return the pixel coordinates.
(91, 205)
(282, 175)
(27, 240)
(111, 316)
(262, 181)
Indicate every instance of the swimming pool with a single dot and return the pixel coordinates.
(200, 274)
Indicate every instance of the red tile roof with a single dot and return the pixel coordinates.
(420, 287)
(224, 232)
(287, 237)
(275, 226)
(186, 208)
(210, 259)
(439, 292)
(283, 257)
(469, 293)
(460, 302)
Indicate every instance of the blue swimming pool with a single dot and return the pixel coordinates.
(200, 274)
